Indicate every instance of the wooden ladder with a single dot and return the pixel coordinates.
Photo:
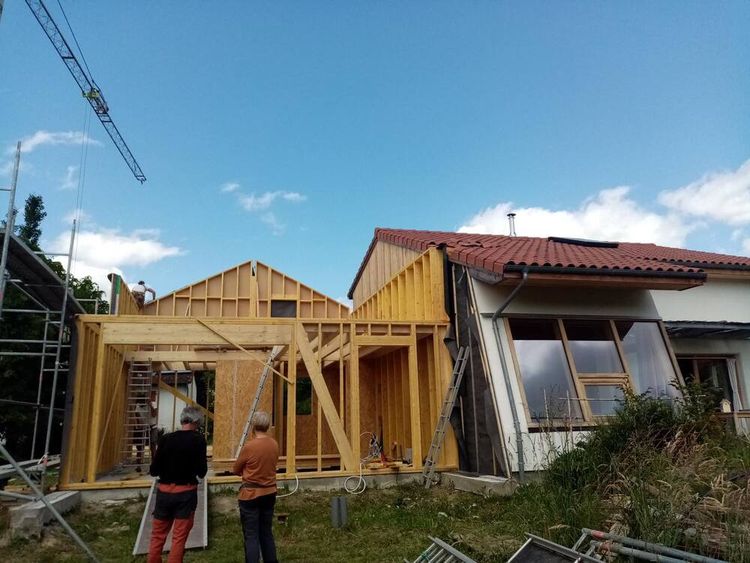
(428, 470)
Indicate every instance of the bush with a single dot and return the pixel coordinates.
(657, 471)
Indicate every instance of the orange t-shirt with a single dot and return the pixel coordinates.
(256, 464)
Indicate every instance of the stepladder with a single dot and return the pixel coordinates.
(430, 464)
(275, 353)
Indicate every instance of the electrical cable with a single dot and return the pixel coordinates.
(361, 484)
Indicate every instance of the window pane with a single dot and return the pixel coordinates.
(592, 347)
(647, 357)
(604, 399)
(544, 370)
(714, 373)
(283, 308)
(686, 368)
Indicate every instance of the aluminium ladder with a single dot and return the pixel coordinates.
(428, 470)
(275, 353)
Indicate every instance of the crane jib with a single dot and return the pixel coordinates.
(87, 85)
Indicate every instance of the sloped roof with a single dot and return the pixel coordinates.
(495, 253)
(37, 278)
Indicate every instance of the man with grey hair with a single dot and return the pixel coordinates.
(256, 464)
(179, 461)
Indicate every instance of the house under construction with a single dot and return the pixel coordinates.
(337, 379)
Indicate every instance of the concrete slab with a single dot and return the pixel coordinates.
(27, 520)
(485, 485)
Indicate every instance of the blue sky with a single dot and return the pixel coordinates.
(287, 131)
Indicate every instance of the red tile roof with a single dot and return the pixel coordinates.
(495, 253)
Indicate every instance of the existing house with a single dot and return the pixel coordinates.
(558, 328)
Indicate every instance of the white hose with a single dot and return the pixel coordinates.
(361, 484)
(296, 486)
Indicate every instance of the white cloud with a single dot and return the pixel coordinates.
(100, 251)
(610, 215)
(262, 203)
(70, 181)
(230, 187)
(270, 219)
(255, 202)
(721, 196)
(42, 137)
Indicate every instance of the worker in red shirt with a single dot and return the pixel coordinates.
(179, 461)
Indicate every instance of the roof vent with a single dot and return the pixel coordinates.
(512, 224)
(584, 242)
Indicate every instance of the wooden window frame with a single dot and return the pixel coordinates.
(724, 357)
(580, 380)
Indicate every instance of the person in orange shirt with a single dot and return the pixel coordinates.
(256, 465)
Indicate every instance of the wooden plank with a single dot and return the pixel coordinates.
(291, 408)
(416, 423)
(194, 334)
(329, 409)
(189, 356)
(354, 395)
(185, 399)
(366, 340)
(96, 415)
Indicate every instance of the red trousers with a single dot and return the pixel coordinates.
(160, 531)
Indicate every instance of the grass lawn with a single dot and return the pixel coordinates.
(384, 525)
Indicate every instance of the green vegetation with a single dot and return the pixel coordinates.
(673, 476)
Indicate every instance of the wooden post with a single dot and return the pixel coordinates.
(291, 409)
(416, 423)
(96, 415)
(354, 419)
(326, 403)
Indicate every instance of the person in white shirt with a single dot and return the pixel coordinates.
(139, 291)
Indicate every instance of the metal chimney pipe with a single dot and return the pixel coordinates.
(512, 223)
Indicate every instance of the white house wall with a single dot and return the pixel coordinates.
(717, 300)
(540, 446)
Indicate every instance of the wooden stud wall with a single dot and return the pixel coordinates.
(367, 376)
(415, 293)
(97, 429)
(382, 264)
(245, 291)
(121, 298)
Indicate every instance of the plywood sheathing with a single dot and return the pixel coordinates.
(236, 384)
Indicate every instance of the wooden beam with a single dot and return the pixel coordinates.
(366, 340)
(354, 410)
(265, 364)
(291, 409)
(184, 398)
(96, 416)
(415, 411)
(193, 333)
(326, 403)
(193, 356)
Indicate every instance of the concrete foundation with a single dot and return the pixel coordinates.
(485, 485)
(27, 520)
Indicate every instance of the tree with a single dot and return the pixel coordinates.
(33, 215)
(19, 374)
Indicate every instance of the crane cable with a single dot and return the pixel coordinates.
(72, 33)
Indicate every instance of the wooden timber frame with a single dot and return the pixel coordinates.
(386, 375)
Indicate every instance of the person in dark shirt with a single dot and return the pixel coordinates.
(179, 461)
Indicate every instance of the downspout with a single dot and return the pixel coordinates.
(506, 375)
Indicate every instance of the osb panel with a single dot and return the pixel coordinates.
(307, 425)
(236, 385)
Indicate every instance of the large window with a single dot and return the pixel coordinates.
(578, 369)
(717, 372)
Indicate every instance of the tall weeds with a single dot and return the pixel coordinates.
(666, 473)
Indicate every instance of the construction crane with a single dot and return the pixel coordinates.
(89, 88)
